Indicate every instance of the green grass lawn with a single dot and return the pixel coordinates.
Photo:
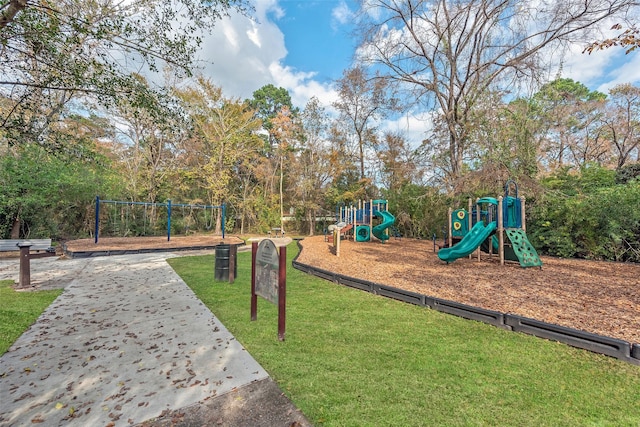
(18, 311)
(351, 358)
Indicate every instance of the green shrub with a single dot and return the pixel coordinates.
(587, 215)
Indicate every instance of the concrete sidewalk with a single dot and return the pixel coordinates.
(126, 342)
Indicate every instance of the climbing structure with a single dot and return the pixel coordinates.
(361, 218)
(522, 248)
(507, 237)
(511, 222)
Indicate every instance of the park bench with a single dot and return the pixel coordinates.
(29, 249)
(277, 231)
(9, 245)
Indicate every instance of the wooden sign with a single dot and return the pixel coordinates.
(269, 279)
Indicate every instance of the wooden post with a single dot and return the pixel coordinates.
(500, 232)
(336, 240)
(477, 221)
(470, 219)
(233, 255)
(386, 209)
(450, 235)
(370, 219)
(355, 219)
(24, 280)
(522, 214)
(254, 297)
(282, 291)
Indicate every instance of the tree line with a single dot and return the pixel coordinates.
(74, 130)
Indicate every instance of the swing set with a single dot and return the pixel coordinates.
(122, 212)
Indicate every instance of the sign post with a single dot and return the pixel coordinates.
(269, 279)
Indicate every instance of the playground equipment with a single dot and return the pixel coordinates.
(486, 229)
(358, 219)
(125, 215)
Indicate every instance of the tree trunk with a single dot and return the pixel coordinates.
(219, 222)
(455, 155)
(281, 194)
(311, 218)
(15, 229)
(361, 148)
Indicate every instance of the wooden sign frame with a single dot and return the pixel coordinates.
(256, 283)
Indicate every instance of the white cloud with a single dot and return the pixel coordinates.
(627, 72)
(586, 68)
(301, 85)
(265, 6)
(230, 34)
(237, 55)
(341, 15)
(254, 35)
(415, 126)
(244, 54)
(600, 70)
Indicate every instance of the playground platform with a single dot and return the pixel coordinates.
(128, 342)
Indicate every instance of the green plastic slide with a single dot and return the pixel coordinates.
(387, 221)
(470, 243)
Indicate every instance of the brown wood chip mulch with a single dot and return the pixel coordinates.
(159, 242)
(597, 297)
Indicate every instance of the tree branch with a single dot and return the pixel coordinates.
(12, 9)
(74, 89)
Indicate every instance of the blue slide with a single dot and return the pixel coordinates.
(387, 221)
(469, 243)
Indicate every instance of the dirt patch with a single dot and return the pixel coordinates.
(597, 297)
(259, 404)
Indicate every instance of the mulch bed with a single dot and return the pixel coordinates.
(598, 297)
(137, 243)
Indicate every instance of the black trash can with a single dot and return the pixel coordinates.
(225, 257)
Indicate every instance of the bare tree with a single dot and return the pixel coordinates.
(623, 122)
(397, 165)
(363, 100)
(287, 133)
(570, 118)
(313, 169)
(70, 49)
(589, 143)
(453, 52)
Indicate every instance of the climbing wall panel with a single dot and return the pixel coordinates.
(523, 249)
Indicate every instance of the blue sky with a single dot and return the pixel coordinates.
(301, 45)
(305, 45)
(315, 37)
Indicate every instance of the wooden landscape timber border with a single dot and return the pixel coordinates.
(619, 349)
